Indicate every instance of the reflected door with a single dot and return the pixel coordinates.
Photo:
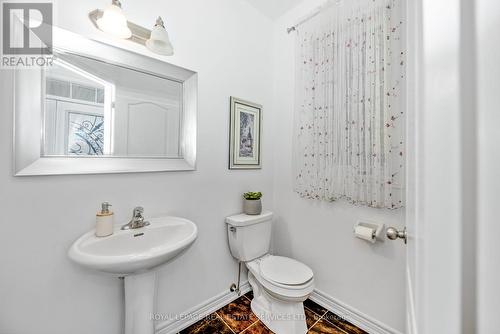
(146, 126)
(74, 128)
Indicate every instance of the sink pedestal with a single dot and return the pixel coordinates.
(140, 303)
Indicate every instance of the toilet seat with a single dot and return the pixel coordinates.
(285, 271)
(291, 291)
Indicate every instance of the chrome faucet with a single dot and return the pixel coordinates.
(137, 220)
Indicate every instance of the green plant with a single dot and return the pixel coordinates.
(252, 196)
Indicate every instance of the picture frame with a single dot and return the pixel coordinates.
(245, 135)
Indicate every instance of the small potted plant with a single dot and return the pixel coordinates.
(252, 205)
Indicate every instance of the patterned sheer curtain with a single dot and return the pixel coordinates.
(349, 119)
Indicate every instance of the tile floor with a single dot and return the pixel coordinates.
(237, 317)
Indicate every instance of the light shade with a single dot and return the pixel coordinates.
(159, 42)
(114, 22)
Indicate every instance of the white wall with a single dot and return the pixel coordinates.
(370, 278)
(41, 291)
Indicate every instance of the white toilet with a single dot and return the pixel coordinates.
(279, 284)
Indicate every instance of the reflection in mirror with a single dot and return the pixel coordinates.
(93, 108)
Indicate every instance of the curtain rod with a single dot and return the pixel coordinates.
(318, 10)
(326, 5)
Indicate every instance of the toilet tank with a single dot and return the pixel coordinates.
(249, 236)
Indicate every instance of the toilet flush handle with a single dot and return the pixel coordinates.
(232, 228)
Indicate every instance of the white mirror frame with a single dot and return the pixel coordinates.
(28, 117)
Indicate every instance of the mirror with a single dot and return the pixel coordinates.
(101, 109)
(93, 108)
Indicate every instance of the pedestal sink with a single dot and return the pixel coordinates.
(133, 254)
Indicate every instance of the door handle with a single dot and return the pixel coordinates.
(394, 234)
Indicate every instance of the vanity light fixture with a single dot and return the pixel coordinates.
(112, 20)
(159, 42)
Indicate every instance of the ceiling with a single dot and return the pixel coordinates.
(274, 8)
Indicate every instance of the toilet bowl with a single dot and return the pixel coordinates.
(280, 284)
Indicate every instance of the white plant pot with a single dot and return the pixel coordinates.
(252, 207)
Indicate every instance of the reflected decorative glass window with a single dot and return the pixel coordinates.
(85, 134)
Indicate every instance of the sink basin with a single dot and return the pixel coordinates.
(134, 254)
(132, 251)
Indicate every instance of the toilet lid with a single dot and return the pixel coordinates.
(285, 271)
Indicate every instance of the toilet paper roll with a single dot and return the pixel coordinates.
(365, 233)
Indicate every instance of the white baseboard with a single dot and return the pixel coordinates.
(200, 311)
(352, 315)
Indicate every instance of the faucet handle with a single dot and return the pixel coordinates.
(138, 211)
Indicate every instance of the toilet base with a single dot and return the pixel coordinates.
(281, 317)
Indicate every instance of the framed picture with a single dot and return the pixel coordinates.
(245, 135)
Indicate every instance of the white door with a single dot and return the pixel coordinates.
(441, 135)
(145, 125)
(488, 228)
(63, 118)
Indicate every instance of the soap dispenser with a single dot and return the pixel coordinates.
(104, 221)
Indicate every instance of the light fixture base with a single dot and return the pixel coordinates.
(159, 22)
(139, 34)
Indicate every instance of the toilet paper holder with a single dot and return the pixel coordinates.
(378, 230)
